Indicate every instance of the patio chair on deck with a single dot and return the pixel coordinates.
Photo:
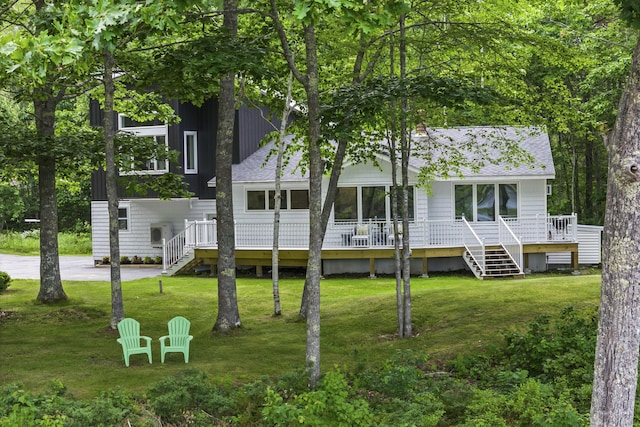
(178, 337)
(361, 235)
(132, 341)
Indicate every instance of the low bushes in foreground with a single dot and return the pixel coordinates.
(540, 376)
(5, 280)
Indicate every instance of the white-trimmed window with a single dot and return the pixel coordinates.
(478, 202)
(191, 152)
(154, 129)
(365, 203)
(123, 218)
(260, 200)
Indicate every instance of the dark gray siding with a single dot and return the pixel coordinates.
(253, 128)
(250, 128)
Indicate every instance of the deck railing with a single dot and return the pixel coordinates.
(545, 228)
(372, 234)
(177, 247)
(511, 243)
(474, 245)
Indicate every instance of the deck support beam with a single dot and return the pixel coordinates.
(425, 267)
(574, 262)
(298, 257)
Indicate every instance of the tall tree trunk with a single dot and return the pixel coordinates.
(109, 128)
(395, 188)
(316, 234)
(278, 199)
(616, 364)
(405, 146)
(336, 170)
(589, 173)
(228, 314)
(50, 282)
(575, 204)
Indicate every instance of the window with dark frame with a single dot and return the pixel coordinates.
(260, 200)
(191, 152)
(478, 202)
(123, 219)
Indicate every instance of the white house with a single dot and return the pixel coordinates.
(490, 216)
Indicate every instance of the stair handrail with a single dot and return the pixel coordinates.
(510, 242)
(178, 246)
(474, 245)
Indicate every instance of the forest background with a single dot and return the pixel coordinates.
(564, 67)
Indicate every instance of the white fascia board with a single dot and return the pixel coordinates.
(485, 178)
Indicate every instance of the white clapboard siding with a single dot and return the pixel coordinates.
(441, 201)
(99, 229)
(142, 213)
(533, 197)
(589, 248)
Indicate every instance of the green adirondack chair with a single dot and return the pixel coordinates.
(131, 340)
(178, 337)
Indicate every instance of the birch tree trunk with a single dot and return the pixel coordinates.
(406, 152)
(228, 313)
(277, 311)
(616, 363)
(393, 157)
(109, 127)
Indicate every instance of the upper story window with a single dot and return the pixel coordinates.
(484, 202)
(125, 122)
(367, 203)
(191, 152)
(152, 129)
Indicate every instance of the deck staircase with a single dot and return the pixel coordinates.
(188, 262)
(497, 264)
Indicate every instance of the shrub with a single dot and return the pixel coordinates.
(564, 347)
(179, 399)
(5, 279)
(106, 260)
(333, 404)
(158, 260)
(136, 260)
(148, 260)
(31, 234)
(57, 408)
(125, 260)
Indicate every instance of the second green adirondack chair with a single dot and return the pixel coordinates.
(178, 337)
(131, 340)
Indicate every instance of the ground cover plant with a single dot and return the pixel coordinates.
(28, 243)
(470, 361)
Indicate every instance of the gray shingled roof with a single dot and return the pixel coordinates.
(474, 145)
(254, 168)
(483, 147)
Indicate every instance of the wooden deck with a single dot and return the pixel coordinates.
(298, 257)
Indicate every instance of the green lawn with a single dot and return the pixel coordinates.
(451, 315)
(28, 243)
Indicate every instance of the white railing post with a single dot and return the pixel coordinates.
(425, 232)
(164, 255)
